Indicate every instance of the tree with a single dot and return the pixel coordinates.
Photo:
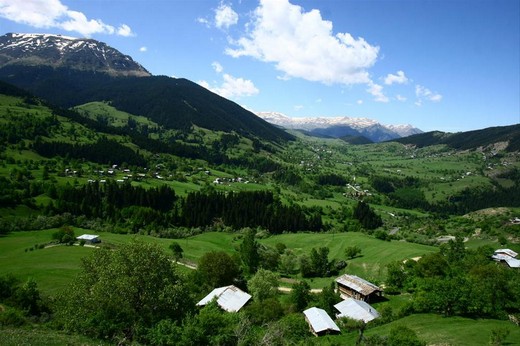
(263, 285)
(176, 250)
(328, 297)
(352, 251)
(64, 235)
(366, 216)
(121, 293)
(288, 262)
(217, 269)
(300, 295)
(249, 252)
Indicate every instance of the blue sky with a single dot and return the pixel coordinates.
(438, 65)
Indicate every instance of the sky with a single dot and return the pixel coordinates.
(448, 65)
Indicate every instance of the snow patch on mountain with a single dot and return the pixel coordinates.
(59, 51)
(366, 127)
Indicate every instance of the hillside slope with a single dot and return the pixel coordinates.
(50, 68)
(468, 140)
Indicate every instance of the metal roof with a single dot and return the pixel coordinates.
(87, 237)
(319, 320)
(513, 262)
(356, 309)
(357, 284)
(508, 252)
(229, 298)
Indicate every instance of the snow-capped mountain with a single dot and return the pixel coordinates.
(63, 51)
(341, 126)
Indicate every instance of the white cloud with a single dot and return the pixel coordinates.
(232, 87)
(53, 14)
(359, 102)
(400, 98)
(225, 16)
(377, 91)
(423, 93)
(143, 49)
(217, 67)
(302, 45)
(398, 78)
(298, 107)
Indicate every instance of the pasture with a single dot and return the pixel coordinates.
(53, 267)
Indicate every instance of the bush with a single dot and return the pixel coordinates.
(12, 317)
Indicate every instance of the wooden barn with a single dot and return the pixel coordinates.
(352, 286)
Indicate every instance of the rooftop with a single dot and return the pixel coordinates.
(357, 284)
(229, 298)
(356, 309)
(319, 320)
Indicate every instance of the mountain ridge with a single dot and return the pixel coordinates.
(338, 127)
(69, 72)
(59, 51)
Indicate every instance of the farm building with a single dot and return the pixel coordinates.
(352, 286)
(229, 298)
(320, 322)
(507, 256)
(89, 238)
(356, 310)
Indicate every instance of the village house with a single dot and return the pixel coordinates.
(320, 322)
(229, 298)
(507, 256)
(356, 310)
(352, 286)
(89, 238)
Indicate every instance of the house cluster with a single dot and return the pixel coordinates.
(220, 181)
(507, 257)
(355, 292)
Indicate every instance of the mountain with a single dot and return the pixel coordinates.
(62, 51)
(69, 72)
(338, 127)
(507, 136)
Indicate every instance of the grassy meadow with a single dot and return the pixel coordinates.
(53, 267)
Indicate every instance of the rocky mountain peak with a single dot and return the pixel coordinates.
(63, 51)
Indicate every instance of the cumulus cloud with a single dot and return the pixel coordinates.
(217, 67)
(423, 93)
(232, 87)
(225, 16)
(53, 14)
(143, 49)
(302, 45)
(398, 78)
(400, 98)
(376, 90)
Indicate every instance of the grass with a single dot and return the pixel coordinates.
(37, 335)
(53, 268)
(375, 255)
(437, 330)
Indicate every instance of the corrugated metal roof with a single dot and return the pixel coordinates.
(319, 320)
(87, 237)
(508, 252)
(513, 262)
(356, 309)
(229, 298)
(357, 284)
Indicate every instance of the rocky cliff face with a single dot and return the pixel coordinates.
(62, 51)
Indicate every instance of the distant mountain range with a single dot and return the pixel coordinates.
(339, 127)
(69, 72)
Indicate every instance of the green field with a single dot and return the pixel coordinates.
(53, 267)
(438, 330)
